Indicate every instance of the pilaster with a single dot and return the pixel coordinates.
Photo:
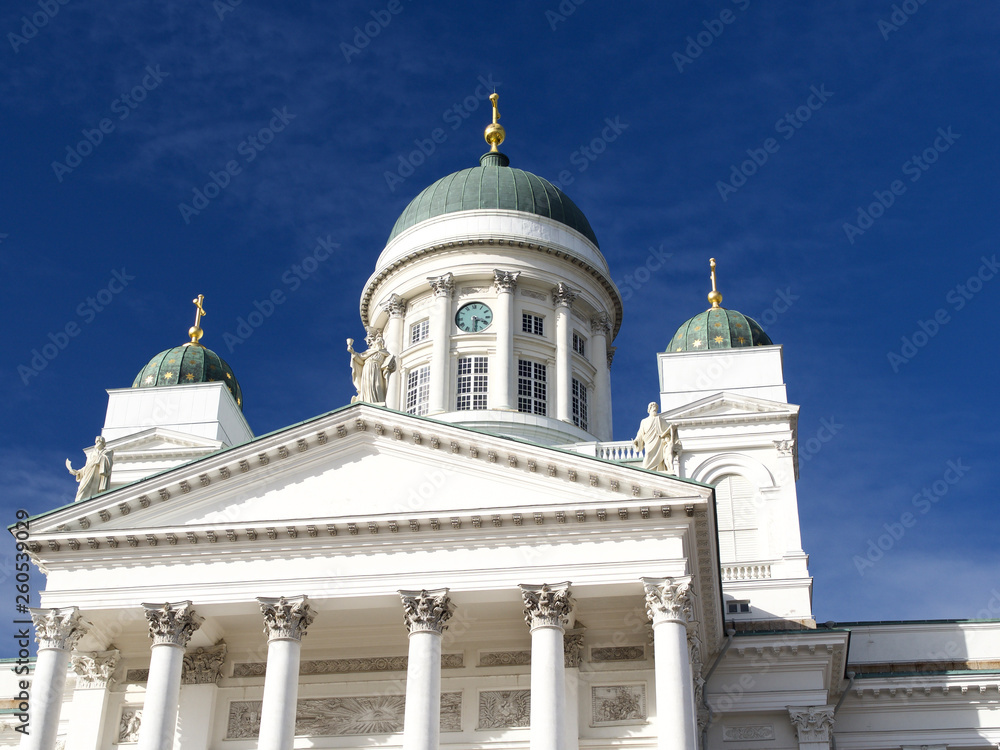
(813, 726)
(94, 675)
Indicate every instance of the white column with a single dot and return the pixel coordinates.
(199, 688)
(600, 405)
(813, 726)
(94, 674)
(396, 307)
(547, 610)
(171, 626)
(563, 295)
(441, 324)
(426, 614)
(503, 368)
(669, 606)
(572, 651)
(285, 622)
(57, 632)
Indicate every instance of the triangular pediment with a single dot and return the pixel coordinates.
(725, 404)
(159, 440)
(362, 465)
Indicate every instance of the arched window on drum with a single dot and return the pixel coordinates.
(737, 514)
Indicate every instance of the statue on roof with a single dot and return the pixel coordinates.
(95, 475)
(659, 440)
(371, 368)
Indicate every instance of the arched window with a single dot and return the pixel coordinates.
(737, 519)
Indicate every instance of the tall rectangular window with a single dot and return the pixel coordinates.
(579, 344)
(531, 389)
(420, 331)
(532, 324)
(418, 390)
(473, 382)
(579, 404)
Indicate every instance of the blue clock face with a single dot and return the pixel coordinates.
(473, 317)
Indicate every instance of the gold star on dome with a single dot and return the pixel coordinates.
(718, 325)
(148, 380)
(718, 339)
(171, 361)
(739, 325)
(168, 375)
(697, 328)
(697, 343)
(189, 376)
(230, 377)
(679, 349)
(741, 339)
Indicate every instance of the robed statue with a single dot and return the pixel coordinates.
(95, 476)
(659, 440)
(370, 369)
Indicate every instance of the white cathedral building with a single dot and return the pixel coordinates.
(464, 557)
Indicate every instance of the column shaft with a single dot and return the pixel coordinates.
(396, 382)
(47, 688)
(422, 718)
(281, 692)
(675, 710)
(564, 370)
(548, 689)
(503, 368)
(601, 403)
(163, 692)
(441, 324)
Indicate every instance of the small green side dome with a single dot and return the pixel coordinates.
(190, 363)
(718, 328)
(494, 185)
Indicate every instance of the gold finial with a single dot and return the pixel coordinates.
(714, 296)
(494, 131)
(195, 331)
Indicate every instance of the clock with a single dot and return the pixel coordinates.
(473, 317)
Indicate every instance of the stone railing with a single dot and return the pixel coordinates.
(623, 451)
(746, 571)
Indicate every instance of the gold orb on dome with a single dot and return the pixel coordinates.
(715, 298)
(195, 333)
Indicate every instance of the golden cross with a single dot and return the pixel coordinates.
(712, 263)
(714, 296)
(496, 110)
(201, 310)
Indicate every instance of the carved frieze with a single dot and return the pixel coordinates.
(619, 704)
(618, 653)
(129, 723)
(504, 658)
(333, 717)
(743, 734)
(347, 666)
(499, 709)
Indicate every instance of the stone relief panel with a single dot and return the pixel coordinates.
(618, 653)
(742, 734)
(500, 709)
(504, 658)
(344, 666)
(129, 723)
(333, 717)
(137, 675)
(619, 704)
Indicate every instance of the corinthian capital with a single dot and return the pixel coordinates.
(172, 623)
(564, 294)
(442, 285)
(395, 306)
(505, 281)
(812, 723)
(547, 606)
(286, 618)
(94, 668)
(669, 600)
(203, 666)
(600, 324)
(58, 628)
(426, 611)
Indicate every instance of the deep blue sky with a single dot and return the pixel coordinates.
(778, 237)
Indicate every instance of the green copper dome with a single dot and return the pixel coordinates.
(718, 328)
(494, 184)
(190, 363)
